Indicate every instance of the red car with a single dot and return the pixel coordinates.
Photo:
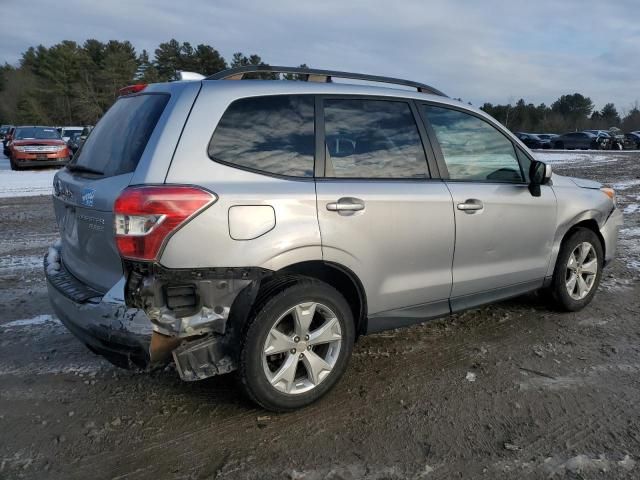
(37, 146)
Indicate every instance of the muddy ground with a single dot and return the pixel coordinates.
(554, 395)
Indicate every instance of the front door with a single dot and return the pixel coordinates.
(380, 214)
(504, 235)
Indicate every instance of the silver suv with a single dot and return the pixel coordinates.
(261, 226)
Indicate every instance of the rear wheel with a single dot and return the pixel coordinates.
(578, 270)
(297, 346)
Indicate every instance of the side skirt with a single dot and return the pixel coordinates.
(404, 317)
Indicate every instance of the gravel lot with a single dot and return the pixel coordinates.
(514, 390)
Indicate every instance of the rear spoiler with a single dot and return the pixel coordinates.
(181, 75)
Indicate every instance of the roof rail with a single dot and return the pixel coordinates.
(316, 75)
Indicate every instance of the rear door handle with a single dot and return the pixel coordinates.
(471, 205)
(346, 204)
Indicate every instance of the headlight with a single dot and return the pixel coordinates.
(60, 148)
(611, 193)
(20, 149)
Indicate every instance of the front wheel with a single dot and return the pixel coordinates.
(578, 270)
(297, 346)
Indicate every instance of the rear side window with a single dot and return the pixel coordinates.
(473, 149)
(372, 139)
(272, 134)
(118, 140)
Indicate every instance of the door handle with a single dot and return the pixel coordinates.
(346, 204)
(471, 205)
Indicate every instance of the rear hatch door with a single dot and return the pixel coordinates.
(85, 191)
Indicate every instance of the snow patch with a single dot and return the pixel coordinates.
(630, 232)
(12, 263)
(30, 322)
(24, 183)
(625, 184)
(74, 369)
(633, 208)
(53, 261)
(571, 158)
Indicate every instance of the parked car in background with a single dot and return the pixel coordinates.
(605, 139)
(610, 139)
(546, 139)
(67, 132)
(77, 139)
(74, 142)
(632, 141)
(3, 130)
(6, 141)
(579, 140)
(250, 240)
(33, 146)
(530, 140)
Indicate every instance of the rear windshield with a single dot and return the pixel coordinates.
(36, 133)
(118, 140)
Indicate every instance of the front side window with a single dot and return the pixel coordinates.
(272, 134)
(473, 149)
(372, 139)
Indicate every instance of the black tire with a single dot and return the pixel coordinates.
(13, 165)
(251, 372)
(559, 291)
(558, 145)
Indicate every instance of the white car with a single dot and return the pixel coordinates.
(67, 132)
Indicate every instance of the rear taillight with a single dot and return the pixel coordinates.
(130, 89)
(146, 216)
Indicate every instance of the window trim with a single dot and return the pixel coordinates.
(429, 157)
(444, 171)
(264, 172)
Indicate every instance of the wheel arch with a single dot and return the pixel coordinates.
(339, 277)
(589, 224)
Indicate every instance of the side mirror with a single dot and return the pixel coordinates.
(539, 174)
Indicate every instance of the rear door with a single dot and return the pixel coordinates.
(85, 191)
(504, 234)
(380, 213)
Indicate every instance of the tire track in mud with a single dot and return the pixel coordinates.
(454, 355)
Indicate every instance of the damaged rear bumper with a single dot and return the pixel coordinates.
(102, 322)
(153, 313)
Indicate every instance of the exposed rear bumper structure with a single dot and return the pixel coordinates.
(129, 338)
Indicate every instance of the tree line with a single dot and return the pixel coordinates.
(73, 84)
(568, 113)
(70, 83)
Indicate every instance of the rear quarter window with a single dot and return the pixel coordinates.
(120, 137)
(270, 134)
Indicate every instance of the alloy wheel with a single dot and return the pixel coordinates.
(582, 269)
(302, 347)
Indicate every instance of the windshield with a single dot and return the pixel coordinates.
(36, 133)
(70, 132)
(118, 140)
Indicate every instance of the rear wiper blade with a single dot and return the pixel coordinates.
(82, 168)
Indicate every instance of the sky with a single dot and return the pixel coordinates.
(482, 51)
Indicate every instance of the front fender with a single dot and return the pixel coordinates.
(576, 205)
